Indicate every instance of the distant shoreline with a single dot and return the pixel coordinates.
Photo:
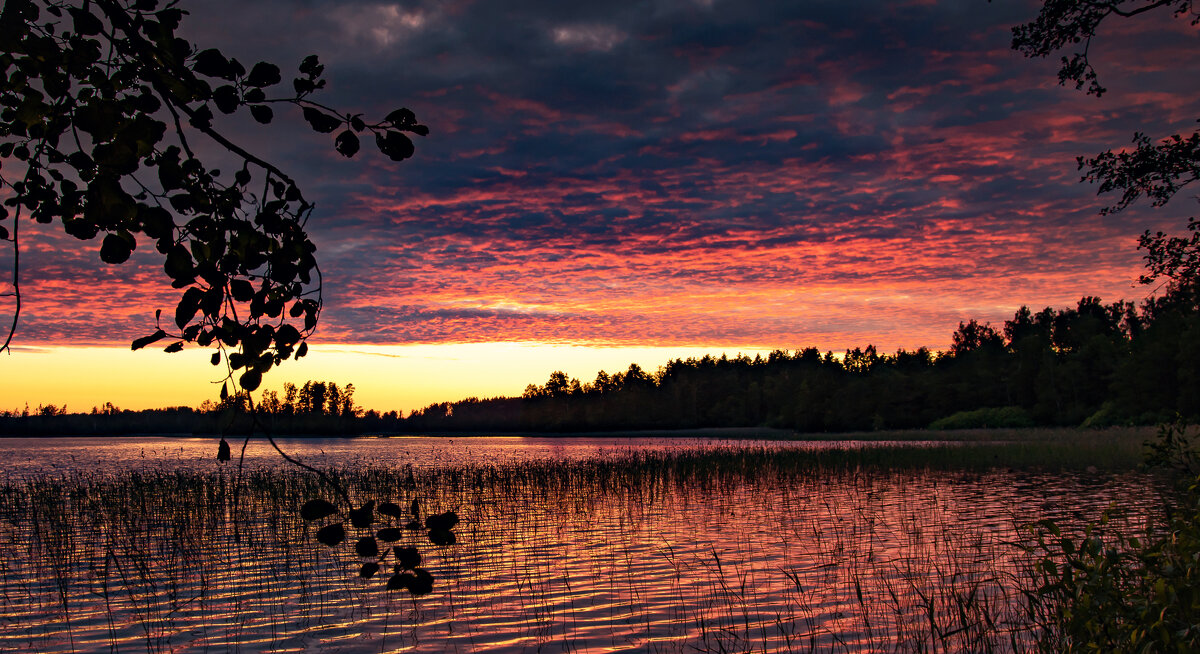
(1022, 434)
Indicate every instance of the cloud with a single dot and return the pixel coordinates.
(596, 38)
(732, 174)
(380, 26)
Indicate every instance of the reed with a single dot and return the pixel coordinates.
(723, 549)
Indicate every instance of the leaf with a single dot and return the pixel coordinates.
(215, 359)
(331, 535)
(442, 521)
(302, 350)
(395, 145)
(241, 290)
(262, 113)
(415, 510)
(368, 570)
(311, 66)
(86, 24)
(226, 98)
(422, 584)
(79, 160)
(303, 86)
(146, 340)
(321, 122)
(156, 222)
(174, 347)
(201, 118)
(407, 557)
(223, 451)
(400, 581)
(287, 335)
(390, 509)
(363, 516)
(401, 116)
(250, 379)
(367, 547)
(188, 305)
(317, 509)
(389, 534)
(346, 143)
(178, 267)
(263, 74)
(81, 228)
(235, 67)
(418, 582)
(117, 247)
(211, 63)
(442, 538)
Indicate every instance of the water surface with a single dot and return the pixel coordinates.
(139, 545)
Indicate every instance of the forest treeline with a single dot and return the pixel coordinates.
(1094, 365)
(316, 408)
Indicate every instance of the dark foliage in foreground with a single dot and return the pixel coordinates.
(110, 125)
(1113, 589)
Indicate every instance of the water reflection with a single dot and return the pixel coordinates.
(558, 552)
(25, 456)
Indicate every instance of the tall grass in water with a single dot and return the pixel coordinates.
(747, 549)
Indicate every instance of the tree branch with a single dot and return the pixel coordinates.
(1112, 6)
(16, 281)
(145, 51)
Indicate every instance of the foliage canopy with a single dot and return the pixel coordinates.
(102, 111)
(1104, 590)
(1154, 169)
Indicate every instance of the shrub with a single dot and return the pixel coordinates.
(1107, 591)
(989, 417)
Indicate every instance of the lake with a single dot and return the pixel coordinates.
(564, 545)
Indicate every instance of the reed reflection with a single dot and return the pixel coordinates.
(693, 549)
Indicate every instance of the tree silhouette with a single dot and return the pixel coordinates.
(1149, 603)
(1155, 169)
(104, 107)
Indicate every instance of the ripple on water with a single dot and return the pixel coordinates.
(565, 561)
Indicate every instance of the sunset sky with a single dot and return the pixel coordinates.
(610, 182)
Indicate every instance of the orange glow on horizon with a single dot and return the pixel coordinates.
(385, 378)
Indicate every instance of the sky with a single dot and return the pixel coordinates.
(613, 182)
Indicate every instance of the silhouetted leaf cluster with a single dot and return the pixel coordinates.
(102, 106)
(1156, 169)
(1124, 589)
(381, 528)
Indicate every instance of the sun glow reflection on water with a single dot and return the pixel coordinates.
(25, 456)
(552, 556)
